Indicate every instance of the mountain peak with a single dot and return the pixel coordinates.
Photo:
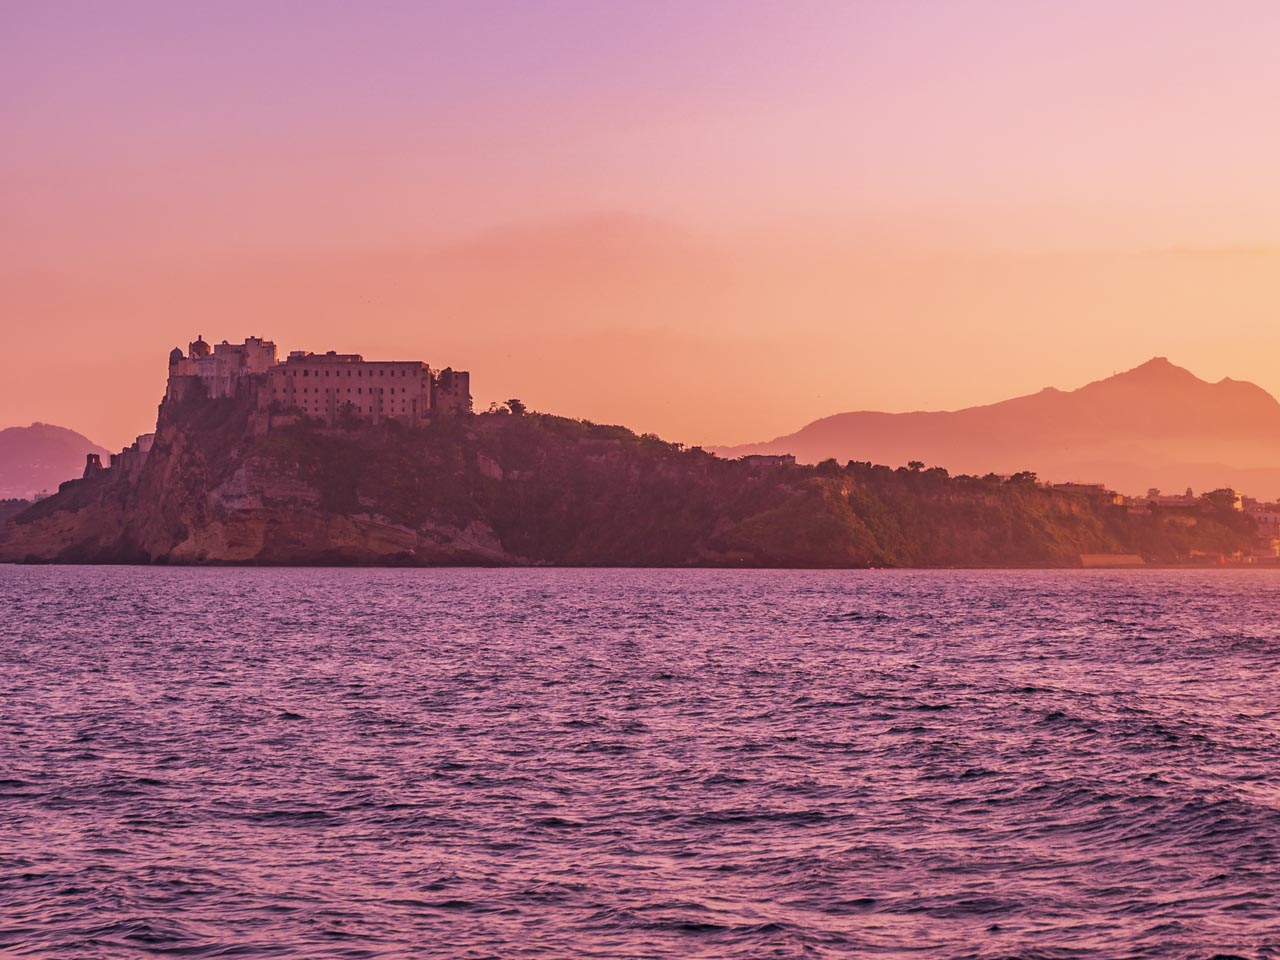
(1157, 371)
(1158, 365)
(1155, 425)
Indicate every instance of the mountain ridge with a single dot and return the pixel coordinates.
(1155, 425)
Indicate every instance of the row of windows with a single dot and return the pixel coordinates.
(390, 411)
(359, 409)
(316, 401)
(372, 390)
(359, 372)
(373, 403)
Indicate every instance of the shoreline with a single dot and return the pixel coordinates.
(1271, 565)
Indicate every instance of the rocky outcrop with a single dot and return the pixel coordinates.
(535, 489)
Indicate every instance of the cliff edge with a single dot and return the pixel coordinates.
(502, 488)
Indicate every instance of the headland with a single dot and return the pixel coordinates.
(332, 459)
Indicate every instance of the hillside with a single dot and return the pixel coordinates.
(39, 457)
(535, 489)
(1157, 425)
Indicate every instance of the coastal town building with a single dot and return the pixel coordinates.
(1095, 491)
(1266, 517)
(768, 459)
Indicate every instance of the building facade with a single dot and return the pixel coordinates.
(331, 387)
(336, 386)
(451, 391)
(221, 367)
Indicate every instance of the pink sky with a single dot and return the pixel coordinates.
(711, 220)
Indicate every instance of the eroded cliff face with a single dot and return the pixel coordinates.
(212, 493)
(536, 489)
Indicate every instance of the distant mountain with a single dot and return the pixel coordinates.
(1157, 425)
(40, 457)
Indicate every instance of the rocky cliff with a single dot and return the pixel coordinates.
(537, 489)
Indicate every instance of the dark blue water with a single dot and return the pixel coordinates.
(347, 763)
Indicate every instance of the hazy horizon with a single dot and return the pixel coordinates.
(756, 442)
(716, 222)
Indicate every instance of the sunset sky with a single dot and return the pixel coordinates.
(712, 220)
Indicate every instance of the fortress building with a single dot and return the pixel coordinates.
(220, 368)
(335, 388)
(331, 387)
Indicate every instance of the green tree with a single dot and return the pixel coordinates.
(1222, 500)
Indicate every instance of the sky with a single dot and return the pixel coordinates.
(711, 220)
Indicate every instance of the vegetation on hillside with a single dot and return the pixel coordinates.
(519, 487)
(564, 491)
(11, 507)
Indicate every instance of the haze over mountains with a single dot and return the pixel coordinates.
(1157, 425)
(40, 457)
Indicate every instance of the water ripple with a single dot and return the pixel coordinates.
(395, 763)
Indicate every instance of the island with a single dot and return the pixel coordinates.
(329, 459)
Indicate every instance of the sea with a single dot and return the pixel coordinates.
(365, 763)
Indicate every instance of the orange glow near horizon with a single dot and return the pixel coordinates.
(714, 221)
